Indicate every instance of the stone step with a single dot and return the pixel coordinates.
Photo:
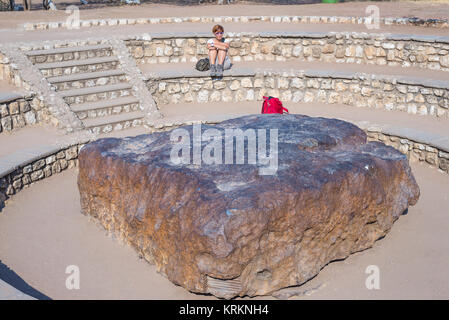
(85, 76)
(106, 107)
(67, 49)
(92, 94)
(54, 69)
(69, 53)
(114, 122)
(89, 79)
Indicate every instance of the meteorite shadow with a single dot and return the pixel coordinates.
(13, 279)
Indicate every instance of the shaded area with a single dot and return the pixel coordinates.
(13, 279)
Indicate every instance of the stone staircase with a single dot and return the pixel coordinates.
(92, 82)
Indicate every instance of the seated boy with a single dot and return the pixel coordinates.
(218, 52)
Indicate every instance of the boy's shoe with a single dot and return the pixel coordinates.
(219, 70)
(213, 70)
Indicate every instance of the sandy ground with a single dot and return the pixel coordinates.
(13, 20)
(96, 10)
(51, 234)
(7, 36)
(42, 232)
(349, 113)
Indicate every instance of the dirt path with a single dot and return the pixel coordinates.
(422, 9)
(164, 29)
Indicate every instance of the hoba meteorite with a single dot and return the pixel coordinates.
(228, 230)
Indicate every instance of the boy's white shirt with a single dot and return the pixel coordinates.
(211, 41)
(225, 40)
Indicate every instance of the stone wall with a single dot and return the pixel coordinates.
(415, 151)
(430, 52)
(437, 23)
(10, 73)
(38, 168)
(16, 113)
(370, 91)
(19, 112)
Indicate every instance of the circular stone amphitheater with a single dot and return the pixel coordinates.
(129, 71)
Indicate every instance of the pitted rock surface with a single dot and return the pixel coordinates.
(228, 230)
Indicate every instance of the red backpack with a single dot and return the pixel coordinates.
(272, 105)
